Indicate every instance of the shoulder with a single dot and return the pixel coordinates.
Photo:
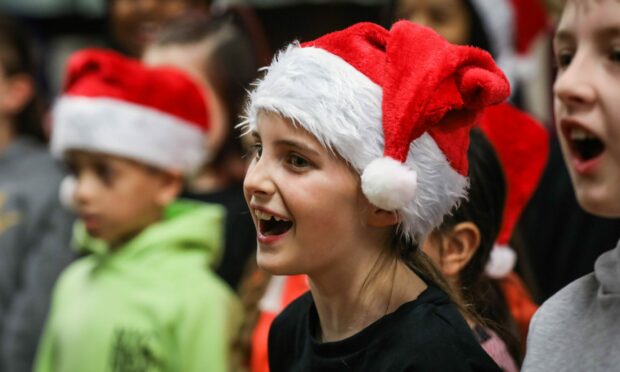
(561, 317)
(293, 316)
(291, 322)
(568, 303)
(433, 335)
(75, 276)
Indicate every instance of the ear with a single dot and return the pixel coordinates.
(378, 217)
(170, 186)
(459, 246)
(20, 92)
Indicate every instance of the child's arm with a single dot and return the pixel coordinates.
(209, 330)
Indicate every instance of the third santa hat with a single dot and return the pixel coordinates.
(396, 104)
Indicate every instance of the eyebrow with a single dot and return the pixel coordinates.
(297, 145)
(603, 33)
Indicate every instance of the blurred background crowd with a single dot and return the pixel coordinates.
(223, 44)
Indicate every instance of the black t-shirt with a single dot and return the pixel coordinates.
(426, 334)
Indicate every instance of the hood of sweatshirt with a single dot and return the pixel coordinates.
(186, 225)
(607, 272)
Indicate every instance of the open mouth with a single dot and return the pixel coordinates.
(270, 225)
(583, 144)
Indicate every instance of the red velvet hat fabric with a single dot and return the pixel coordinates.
(428, 84)
(99, 73)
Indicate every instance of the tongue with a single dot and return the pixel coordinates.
(588, 148)
(273, 227)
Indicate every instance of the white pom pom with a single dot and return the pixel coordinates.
(388, 183)
(66, 191)
(501, 261)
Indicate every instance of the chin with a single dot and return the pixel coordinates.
(275, 265)
(599, 205)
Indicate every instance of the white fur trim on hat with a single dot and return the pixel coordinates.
(501, 261)
(129, 130)
(388, 183)
(341, 107)
(66, 193)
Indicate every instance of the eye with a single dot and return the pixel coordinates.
(563, 58)
(256, 150)
(614, 55)
(104, 172)
(297, 161)
(73, 169)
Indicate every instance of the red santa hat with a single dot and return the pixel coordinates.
(116, 105)
(397, 105)
(523, 162)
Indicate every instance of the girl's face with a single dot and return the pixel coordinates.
(307, 205)
(586, 101)
(449, 18)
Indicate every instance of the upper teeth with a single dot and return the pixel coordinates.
(266, 216)
(580, 134)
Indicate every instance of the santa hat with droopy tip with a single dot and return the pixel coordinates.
(115, 105)
(523, 160)
(397, 105)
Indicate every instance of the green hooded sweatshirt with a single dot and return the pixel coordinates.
(153, 304)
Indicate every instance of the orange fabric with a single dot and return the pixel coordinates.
(294, 286)
(520, 302)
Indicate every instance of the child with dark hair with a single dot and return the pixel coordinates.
(358, 156)
(471, 247)
(146, 297)
(35, 230)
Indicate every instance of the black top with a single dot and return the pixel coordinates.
(426, 334)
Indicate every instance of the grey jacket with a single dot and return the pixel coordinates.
(35, 232)
(578, 329)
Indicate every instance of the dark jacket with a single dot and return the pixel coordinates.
(35, 232)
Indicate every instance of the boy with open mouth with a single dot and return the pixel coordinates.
(578, 329)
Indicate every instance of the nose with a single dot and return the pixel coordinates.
(85, 189)
(574, 86)
(258, 180)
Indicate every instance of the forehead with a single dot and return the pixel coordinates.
(587, 16)
(82, 157)
(270, 124)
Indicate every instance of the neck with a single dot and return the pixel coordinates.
(362, 296)
(6, 134)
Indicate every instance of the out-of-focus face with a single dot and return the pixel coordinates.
(134, 23)
(117, 198)
(307, 204)
(192, 58)
(587, 101)
(449, 18)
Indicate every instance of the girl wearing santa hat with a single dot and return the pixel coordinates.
(360, 150)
